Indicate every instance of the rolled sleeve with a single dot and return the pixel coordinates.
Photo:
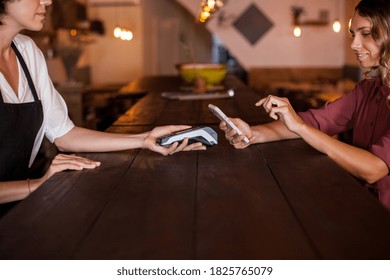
(57, 122)
(382, 148)
(334, 117)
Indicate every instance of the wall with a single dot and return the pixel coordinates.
(158, 28)
(172, 36)
(317, 47)
(115, 61)
(112, 60)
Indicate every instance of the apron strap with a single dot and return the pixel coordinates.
(26, 72)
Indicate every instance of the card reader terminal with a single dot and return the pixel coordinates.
(206, 135)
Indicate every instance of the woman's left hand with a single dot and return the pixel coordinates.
(63, 162)
(151, 144)
(279, 108)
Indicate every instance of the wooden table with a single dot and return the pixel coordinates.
(281, 200)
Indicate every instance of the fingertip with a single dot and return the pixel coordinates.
(260, 102)
(184, 127)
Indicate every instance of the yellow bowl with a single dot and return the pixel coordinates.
(212, 73)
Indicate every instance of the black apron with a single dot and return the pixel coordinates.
(19, 126)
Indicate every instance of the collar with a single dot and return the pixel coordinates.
(19, 41)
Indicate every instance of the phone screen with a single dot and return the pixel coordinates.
(222, 117)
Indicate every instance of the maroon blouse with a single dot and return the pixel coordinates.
(364, 110)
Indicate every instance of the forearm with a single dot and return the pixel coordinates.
(273, 131)
(85, 140)
(358, 162)
(17, 190)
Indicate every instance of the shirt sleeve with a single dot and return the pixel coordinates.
(334, 117)
(382, 147)
(58, 122)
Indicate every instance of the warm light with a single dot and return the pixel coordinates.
(129, 35)
(73, 32)
(123, 34)
(211, 4)
(297, 31)
(336, 26)
(117, 32)
(204, 14)
(209, 7)
(126, 35)
(206, 9)
(219, 3)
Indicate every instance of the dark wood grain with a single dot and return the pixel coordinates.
(151, 216)
(154, 109)
(280, 200)
(241, 213)
(334, 209)
(52, 222)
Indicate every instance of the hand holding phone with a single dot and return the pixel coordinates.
(222, 117)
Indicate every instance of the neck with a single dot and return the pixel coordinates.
(7, 34)
(5, 48)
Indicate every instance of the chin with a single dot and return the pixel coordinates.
(36, 28)
(367, 65)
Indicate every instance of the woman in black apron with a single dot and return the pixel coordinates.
(21, 122)
(16, 144)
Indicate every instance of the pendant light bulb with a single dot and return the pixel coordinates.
(117, 31)
(297, 31)
(336, 26)
(211, 4)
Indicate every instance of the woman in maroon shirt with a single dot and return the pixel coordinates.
(363, 109)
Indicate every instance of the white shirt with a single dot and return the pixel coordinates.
(55, 113)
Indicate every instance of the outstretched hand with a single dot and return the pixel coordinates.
(69, 162)
(151, 144)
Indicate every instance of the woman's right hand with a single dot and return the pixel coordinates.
(232, 136)
(69, 162)
(279, 108)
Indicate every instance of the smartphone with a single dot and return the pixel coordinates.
(222, 117)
